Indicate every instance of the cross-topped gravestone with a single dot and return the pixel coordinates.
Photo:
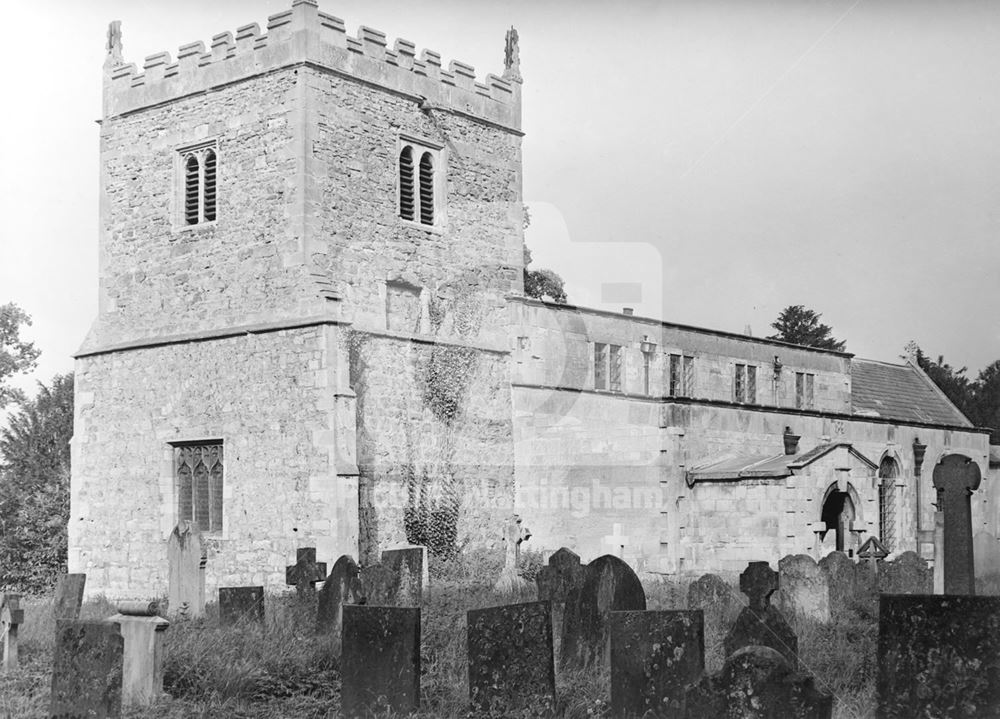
(955, 478)
(11, 617)
(760, 623)
(873, 549)
(186, 558)
(69, 596)
(305, 572)
(514, 533)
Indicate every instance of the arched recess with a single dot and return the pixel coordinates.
(839, 510)
(889, 470)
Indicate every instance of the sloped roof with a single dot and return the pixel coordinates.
(756, 466)
(900, 392)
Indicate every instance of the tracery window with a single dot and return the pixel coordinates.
(198, 471)
(199, 194)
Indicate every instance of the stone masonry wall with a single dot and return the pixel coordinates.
(269, 397)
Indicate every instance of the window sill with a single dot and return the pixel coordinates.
(437, 229)
(196, 229)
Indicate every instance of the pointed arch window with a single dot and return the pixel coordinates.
(199, 180)
(198, 473)
(888, 471)
(420, 183)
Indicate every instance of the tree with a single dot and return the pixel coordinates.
(987, 401)
(953, 382)
(800, 326)
(16, 356)
(34, 487)
(542, 284)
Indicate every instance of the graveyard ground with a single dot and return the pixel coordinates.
(284, 670)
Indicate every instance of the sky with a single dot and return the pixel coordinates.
(708, 163)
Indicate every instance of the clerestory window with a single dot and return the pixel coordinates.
(419, 181)
(198, 184)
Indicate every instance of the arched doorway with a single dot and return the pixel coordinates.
(838, 514)
(888, 471)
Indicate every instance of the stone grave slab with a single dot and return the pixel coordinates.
(87, 669)
(142, 668)
(757, 682)
(510, 657)
(609, 584)
(654, 656)
(760, 623)
(11, 618)
(841, 573)
(343, 586)
(241, 605)
(400, 580)
(186, 559)
(955, 478)
(510, 582)
(306, 572)
(380, 660)
(906, 574)
(711, 592)
(556, 581)
(803, 588)
(938, 656)
(69, 596)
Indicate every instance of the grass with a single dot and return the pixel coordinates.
(284, 670)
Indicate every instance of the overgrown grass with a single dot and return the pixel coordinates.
(284, 670)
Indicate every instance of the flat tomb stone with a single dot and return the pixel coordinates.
(510, 657)
(241, 605)
(142, 673)
(654, 656)
(938, 656)
(87, 669)
(380, 660)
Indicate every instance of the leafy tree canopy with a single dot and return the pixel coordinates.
(34, 487)
(16, 356)
(542, 284)
(801, 326)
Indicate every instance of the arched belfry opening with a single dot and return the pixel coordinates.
(838, 514)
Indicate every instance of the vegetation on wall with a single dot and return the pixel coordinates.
(542, 284)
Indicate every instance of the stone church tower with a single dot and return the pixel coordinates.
(307, 242)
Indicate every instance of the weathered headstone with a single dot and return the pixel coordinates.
(710, 591)
(938, 656)
(514, 534)
(186, 558)
(803, 588)
(87, 669)
(343, 586)
(380, 660)
(608, 585)
(840, 574)
(400, 580)
(654, 656)
(69, 596)
(955, 478)
(760, 623)
(11, 618)
(510, 657)
(305, 572)
(241, 605)
(906, 574)
(556, 581)
(142, 667)
(757, 682)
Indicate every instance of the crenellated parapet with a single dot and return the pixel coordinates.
(304, 35)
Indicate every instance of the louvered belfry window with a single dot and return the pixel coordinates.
(419, 183)
(199, 189)
(198, 470)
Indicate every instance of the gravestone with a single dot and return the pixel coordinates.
(305, 573)
(241, 605)
(69, 596)
(938, 656)
(343, 586)
(142, 666)
(803, 588)
(400, 580)
(841, 580)
(556, 581)
(760, 623)
(654, 656)
(757, 682)
(906, 574)
(87, 669)
(186, 558)
(608, 585)
(380, 660)
(510, 657)
(710, 592)
(11, 618)
(955, 478)
(514, 534)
